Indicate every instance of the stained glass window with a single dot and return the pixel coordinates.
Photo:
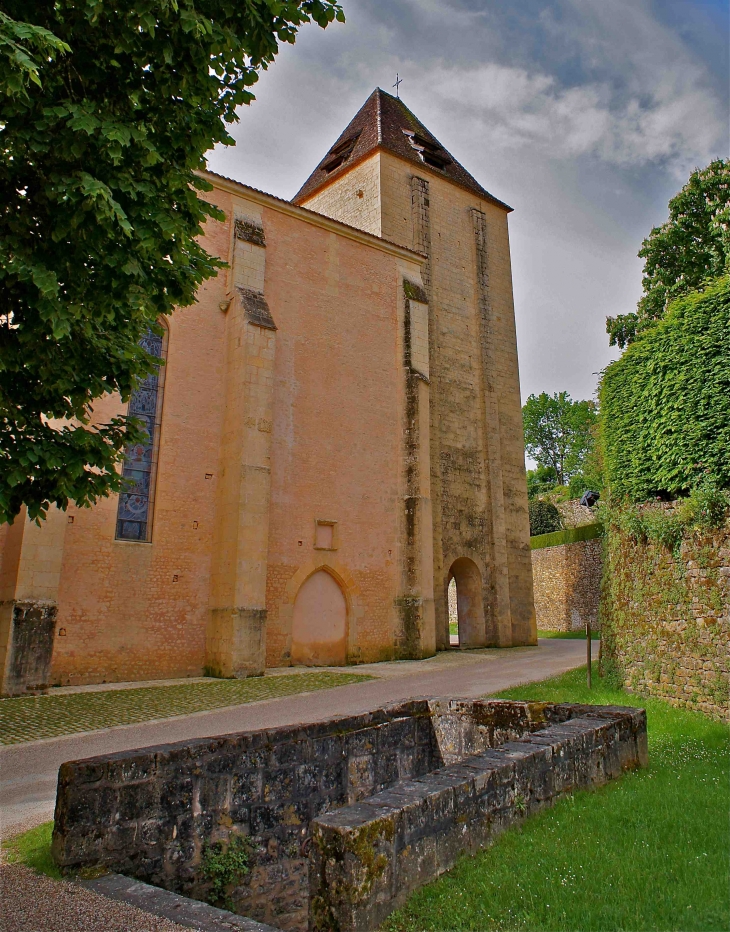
(134, 515)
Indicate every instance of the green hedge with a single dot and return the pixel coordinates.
(571, 536)
(665, 404)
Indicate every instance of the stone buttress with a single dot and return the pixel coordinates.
(236, 635)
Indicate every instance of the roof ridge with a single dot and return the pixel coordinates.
(380, 119)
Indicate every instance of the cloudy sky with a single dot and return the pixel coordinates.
(585, 115)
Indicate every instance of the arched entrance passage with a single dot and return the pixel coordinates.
(319, 623)
(469, 602)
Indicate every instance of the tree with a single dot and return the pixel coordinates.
(107, 112)
(19, 43)
(690, 249)
(558, 432)
(540, 480)
(590, 476)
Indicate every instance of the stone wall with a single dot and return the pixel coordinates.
(573, 514)
(153, 813)
(567, 585)
(150, 813)
(354, 198)
(368, 859)
(666, 618)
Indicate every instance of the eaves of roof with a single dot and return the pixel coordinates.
(309, 216)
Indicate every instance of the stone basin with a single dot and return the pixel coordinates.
(343, 818)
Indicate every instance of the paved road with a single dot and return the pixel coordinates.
(28, 771)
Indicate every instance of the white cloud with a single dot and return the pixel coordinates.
(596, 78)
(676, 121)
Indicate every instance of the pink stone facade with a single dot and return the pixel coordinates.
(308, 426)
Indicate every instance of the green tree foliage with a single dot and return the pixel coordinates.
(687, 251)
(665, 404)
(20, 45)
(558, 432)
(590, 475)
(99, 209)
(540, 480)
(544, 517)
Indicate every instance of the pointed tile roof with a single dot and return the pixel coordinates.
(385, 122)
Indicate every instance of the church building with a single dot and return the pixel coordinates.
(334, 436)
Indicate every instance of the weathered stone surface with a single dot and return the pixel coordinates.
(367, 859)
(567, 585)
(344, 817)
(27, 629)
(666, 617)
(182, 910)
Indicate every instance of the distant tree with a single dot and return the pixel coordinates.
(590, 474)
(558, 432)
(544, 517)
(690, 249)
(107, 111)
(540, 480)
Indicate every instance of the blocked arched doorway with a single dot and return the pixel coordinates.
(319, 623)
(465, 578)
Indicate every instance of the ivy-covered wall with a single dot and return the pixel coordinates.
(665, 609)
(665, 403)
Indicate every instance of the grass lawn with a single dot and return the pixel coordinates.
(650, 851)
(33, 849)
(570, 635)
(29, 718)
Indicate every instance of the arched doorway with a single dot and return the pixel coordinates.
(464, 575)
(453, 614)
(319, 624)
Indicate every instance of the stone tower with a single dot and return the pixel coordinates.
(388, 175)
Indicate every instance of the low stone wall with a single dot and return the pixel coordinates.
(567, 585)
(573, 514)
(666, 618)
(368, 858)
(153, 814)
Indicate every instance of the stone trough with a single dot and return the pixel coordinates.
(343, 818)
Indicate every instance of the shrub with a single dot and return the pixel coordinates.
(571, 535)
(706, 507)
(544, 517)
(224, 865)
(662, 528)
(665, 422)
(540, 480)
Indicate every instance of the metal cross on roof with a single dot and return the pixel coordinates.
(398, 82)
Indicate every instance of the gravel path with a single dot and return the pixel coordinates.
(31, 902)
